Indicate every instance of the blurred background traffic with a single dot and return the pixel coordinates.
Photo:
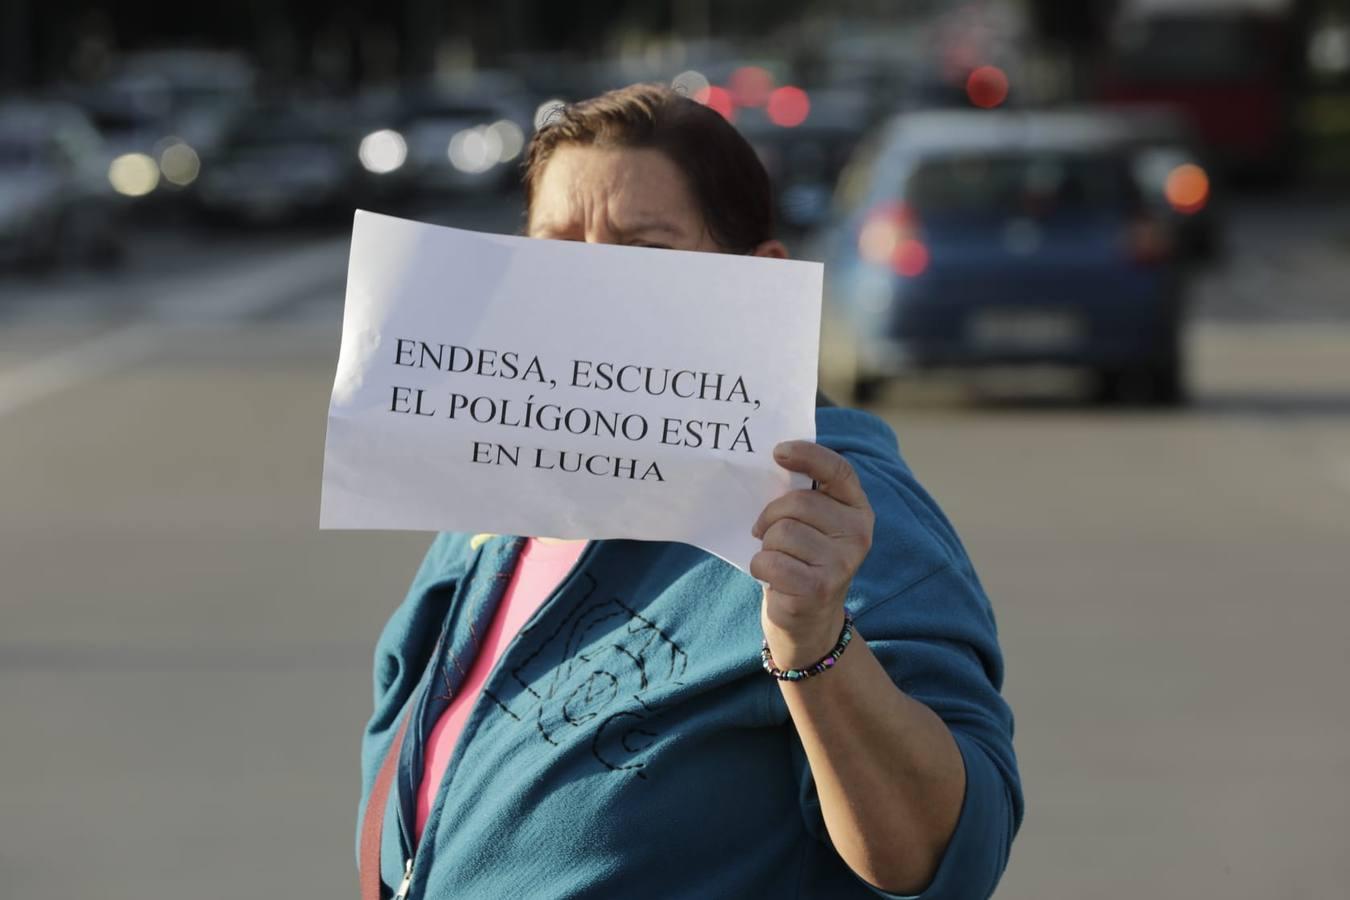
(1086, 157)
(1092, 260)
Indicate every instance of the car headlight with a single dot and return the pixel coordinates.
(383, 151)
(180, 164)
(134, 174)
(475, 150)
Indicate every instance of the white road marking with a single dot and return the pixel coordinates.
(254, 289)
(200, 301)
(67, 368)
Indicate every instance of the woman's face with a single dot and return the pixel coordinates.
(618, 195)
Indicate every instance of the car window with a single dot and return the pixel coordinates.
(16, 153)
(999, 185)
(456, 115)
(121, 119)
(75, 140)
(265, 130)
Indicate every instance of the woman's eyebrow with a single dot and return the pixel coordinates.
(625, 232)
(629, 230)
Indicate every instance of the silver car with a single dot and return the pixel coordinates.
(56, 201)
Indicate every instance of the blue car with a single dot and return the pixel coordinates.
(975, 238)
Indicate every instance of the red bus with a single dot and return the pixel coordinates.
(1232, 70)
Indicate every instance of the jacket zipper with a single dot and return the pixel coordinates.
(405, 886)
(410, 745)
(407, 881)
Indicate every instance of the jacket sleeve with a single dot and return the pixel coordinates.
(933, 641)
(919, 605)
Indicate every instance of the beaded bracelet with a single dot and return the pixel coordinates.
(825, 662)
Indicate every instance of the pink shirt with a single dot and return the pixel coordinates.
(541, 568)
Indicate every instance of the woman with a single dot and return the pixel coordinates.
(618, 719)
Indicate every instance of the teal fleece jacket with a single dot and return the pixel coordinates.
(628, 744)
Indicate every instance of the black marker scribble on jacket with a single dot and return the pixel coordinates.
(449, 684)
(596, 671)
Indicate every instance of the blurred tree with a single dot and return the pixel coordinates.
(422, 24)
(295, 39)
(16, 36)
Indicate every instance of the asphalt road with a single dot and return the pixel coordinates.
(184, 657)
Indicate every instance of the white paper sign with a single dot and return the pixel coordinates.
(508, 385)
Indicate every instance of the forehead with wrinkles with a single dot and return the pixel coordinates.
(616, 195)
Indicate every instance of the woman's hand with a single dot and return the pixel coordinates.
(814, 542)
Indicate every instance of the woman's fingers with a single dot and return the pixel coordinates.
(831, 472)
(800, 541)
(823, 513)
(789, 576)
(813, 541)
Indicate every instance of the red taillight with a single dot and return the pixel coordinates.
(890, 237)
(911, 258)
(987, 87)
(750, 86)
(1148, 242)
(717, 98)
(788, 106)
(1187, 189)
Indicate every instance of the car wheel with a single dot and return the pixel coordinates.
(866, 389)
(107, 252)
(1108, 386)
(1209, 246)
(44, 254)
(837, 372)
(1162, 384)
(1165, 381)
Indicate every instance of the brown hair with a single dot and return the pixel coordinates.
(725, 176)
